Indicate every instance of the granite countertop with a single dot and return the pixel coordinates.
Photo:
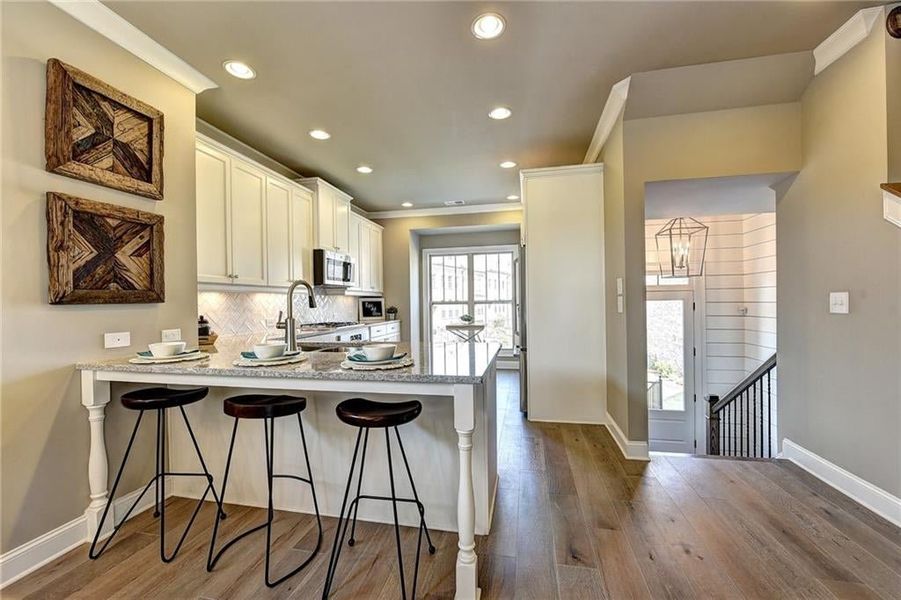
(453, 363)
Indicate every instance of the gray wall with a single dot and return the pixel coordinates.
(44, 428)
(839, 374)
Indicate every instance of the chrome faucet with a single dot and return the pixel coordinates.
(290, 329)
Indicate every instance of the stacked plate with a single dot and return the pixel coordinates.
(250, 359)
(357, 361)
(147, 358)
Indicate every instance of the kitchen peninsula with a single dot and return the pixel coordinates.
(453, 445)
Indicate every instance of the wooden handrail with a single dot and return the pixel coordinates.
(743, 385)
(892, 188)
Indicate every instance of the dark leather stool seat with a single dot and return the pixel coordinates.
(160, 397)
(360, 412)
(263, 406)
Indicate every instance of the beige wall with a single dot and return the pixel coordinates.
(839, 374)
(400, 244)
(44, 428)
(744, 141)
(615, 259)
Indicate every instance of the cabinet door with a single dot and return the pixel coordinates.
(325, 217)
(342, 223)
(278, 233)
(213, 216)
(301, 234)
(375, 258)
(353, 247)
(365, 264)
(248, 210)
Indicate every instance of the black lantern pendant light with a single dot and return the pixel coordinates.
(681, 247)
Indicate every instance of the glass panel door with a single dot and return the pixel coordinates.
(670, 328)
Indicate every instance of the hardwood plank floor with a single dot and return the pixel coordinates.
(573, 520)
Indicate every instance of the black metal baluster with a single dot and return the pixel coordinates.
(754, 418)
(769, 417)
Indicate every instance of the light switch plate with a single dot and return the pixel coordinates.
(619, 286)
(171, 335)
(121, 339)
(619, 304)
(839, 303)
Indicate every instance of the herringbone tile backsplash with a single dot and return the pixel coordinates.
(238, 313)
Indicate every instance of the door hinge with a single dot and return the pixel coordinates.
(694, 397)
(693, 306)
(694, 351)
(696, 444)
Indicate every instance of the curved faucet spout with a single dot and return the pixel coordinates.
(290, 328)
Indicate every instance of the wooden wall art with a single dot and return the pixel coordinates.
(95, 133)
(103, 254)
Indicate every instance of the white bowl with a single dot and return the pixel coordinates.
(379, 351)
(270, 349)
(166, 349)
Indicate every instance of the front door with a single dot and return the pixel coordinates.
(671, 395)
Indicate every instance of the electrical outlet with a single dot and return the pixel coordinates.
(171, 335)
(839, 303)
(121, 339)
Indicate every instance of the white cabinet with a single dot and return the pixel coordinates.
(366, 248)
(278, 233)
(331, 215)
(254, 227)
(248, 208)
(353, 248)
(301, 233)
(389, 331)
(213, 216)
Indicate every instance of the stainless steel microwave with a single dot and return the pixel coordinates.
(332, 269)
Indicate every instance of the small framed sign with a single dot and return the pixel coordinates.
(372, 309)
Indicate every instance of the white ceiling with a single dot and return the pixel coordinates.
(712, 197)
(405, 88)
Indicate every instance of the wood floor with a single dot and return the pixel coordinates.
(573, 520)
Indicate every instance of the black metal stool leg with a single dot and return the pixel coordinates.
(206, 471)
(353, 527)
(339, 537)
(400, 558)
(112, 495)
(156, 482)
(211, 560)
(269, 435)
(415, 495)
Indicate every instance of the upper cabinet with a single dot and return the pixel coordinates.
(254, 227)
(366, 249)
(331, 215)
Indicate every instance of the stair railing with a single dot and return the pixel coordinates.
(735, 422)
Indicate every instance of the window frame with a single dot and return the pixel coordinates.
(470, 302)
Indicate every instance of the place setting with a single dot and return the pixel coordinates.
(167, 352)
(269, 354)
(376, 357)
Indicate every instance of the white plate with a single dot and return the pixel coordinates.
(263, 361)
(387, 361)
(282, 360)
(397, 364)
(169, 359)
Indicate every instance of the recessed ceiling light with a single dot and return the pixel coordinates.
(508, 164)
(512, 197)
(407, 204)
(364, 169)
(319, 134)
(500, 112)
(238, 69)
(488, 26)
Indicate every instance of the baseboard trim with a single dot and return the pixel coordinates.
(631, 450)
(875, 498)
(30, 556)
(566, 421)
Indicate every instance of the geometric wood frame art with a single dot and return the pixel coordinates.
(103, 254)
(96, 133)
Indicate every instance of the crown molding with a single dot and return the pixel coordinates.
(446, 210)
(110, 25)
(851, 33)
(565, 170)
(616, 102)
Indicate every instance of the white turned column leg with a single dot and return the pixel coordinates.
(467, 561)
(95, 395)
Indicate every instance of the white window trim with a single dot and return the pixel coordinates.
(426, 286)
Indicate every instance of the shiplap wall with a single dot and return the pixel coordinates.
(739, 273)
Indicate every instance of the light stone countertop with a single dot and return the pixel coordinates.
(450, 363)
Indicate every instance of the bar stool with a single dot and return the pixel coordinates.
(158, 399)
(365, 415)
(268, 408)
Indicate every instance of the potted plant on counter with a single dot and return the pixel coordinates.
(391, 313)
